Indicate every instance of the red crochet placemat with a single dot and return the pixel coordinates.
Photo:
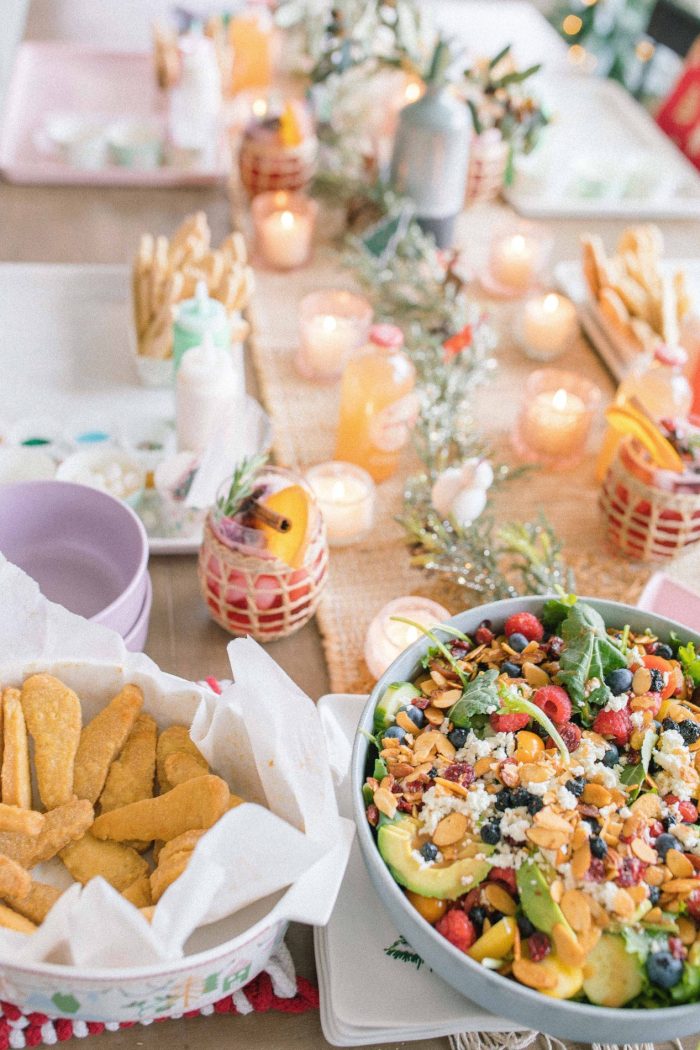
(18, 1030)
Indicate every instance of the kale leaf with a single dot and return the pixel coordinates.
(588, 653)
(690, 662)
(479, 697)
(555, 611)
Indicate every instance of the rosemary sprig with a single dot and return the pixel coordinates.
(242, 485)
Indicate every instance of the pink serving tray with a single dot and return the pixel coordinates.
(55, 77)
(669, 597)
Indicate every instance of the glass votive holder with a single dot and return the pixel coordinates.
(547, 326)
(333, 324)
(284, 225)
(346, 495)
(387, 638)
(517, 259)
(555, 419)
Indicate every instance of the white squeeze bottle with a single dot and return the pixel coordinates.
(209, 392)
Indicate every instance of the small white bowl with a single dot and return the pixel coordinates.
(136, 144)
(79, 141)
(108, 469)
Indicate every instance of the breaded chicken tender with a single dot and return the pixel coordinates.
(16, 777)
(53, 716)
(130, 777)
(102, 740)
(15, 881)
(195, 804)
(172, 740)
(37, 903)
(119, 865)
(62, 825)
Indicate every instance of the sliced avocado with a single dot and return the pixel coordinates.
(394, 697)
(536, 898)
(613, 975)
(395, 840)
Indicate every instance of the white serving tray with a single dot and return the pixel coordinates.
(66, 357)
(599, 130)
(351, 958)
(619, 353)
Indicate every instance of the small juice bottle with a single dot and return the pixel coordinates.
(378, 403)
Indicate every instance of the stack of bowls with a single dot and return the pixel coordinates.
(87, 551)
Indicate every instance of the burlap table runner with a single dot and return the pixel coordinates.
(367, 575)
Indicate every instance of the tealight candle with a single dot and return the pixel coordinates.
(387, 637)
(548, 326)
(284, 225)
(333, 324)
(345, 494)
(556, 418)
(515, 261)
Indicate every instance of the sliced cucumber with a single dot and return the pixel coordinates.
(395, 696)
(614, 975)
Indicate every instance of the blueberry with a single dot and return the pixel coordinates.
(428, 851)
(495, 916)
(415, 714)
(619, 681)
(690, 731)
(518, 642)
(477, 915)
(511, 669)
(396, 731)
(576, 786)
(668, 725)
(593, 824)
(654, 895)
(657, 681)
(611, 756)
(664, 970)
(432, 773)
(458, 737)
(534, 804)
(668, 821)
(666, 842)
(525, 926)
(504, 799)
(598, 847)
(664, 651)
(521, 797)
(491, 833)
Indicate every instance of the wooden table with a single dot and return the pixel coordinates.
(57, 224)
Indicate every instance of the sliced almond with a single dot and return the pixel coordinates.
(534, 675)
(450, 829)
(499, 899)
(655, 876)
(557, 890)
(534, 773)
(577, 910)
(444, 698)
(641, 683)
(445, 747)
(439, 679)
(646, 853)
(545, 838)
(648, 806)
(596, 795)
(434, 716)
(482, 765)
(680, 866)
(681, 886)
(581, 861)
(386, 802)
(425, 743)
(533, 975)
(568, 948)
(598, 913)
(589, 938)
(686, 929)
(654, 916)
(623, 905)
(638, 893)
(580, 836)
(452, 786)
(547, 818)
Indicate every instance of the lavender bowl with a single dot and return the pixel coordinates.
(87, 550)
(135, 639)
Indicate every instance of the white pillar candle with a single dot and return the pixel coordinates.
(514, 262)
(555, 424)
(345, 494)
(332, 324)
(329, 341)
(548, 326)
(285, 239)
(387, 638)
(209, 392)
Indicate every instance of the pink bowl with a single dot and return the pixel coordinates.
(87, 550)
(136, 637)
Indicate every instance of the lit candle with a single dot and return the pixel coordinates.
(333, 324)
(514, 262)
(345, 494)
(387, 638)
(548, 326)
(556, 418)
(284, 224)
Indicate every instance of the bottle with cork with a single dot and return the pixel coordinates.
(378, 404)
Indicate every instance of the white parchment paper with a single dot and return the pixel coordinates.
(263, 736)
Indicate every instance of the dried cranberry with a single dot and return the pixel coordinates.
(460, 773)
(404, 806)
(596, 870)
(676, 947)
(483, 636)
(396, 789)
(692, 903)
(570, 734)
(656, 828)
(630, 872)
(504, 875)
(539, 946)
(373, 815)
(555, 645)
(458, 648)
(471, 899)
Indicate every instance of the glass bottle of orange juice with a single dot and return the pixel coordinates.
(378, 403)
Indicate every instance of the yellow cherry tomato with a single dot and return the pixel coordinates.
(429, 907)
(530, 745)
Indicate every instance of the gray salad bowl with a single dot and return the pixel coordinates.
(563, 1018)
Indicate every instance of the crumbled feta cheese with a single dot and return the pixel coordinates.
(565, 798)
(616, 703)
(637, 719)
(540, 788)
(437, 804)
(445, 726)
(496, 745)
(514, 823)
(604, 892)
(588, 753)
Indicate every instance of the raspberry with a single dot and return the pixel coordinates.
(457, 928)
(460, 773)
(676, 947)
(596, 870)
(524, 623)
(539, 946)
(656, 828)
(504, 875)
(687, 810)
(555, 703)
(483, 636)
(509, 723)
(571, 735)
(692, 903)
(631, 872)
(615, 724)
